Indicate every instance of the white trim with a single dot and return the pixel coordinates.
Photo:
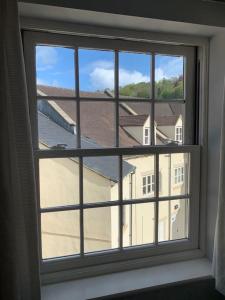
(201, 42)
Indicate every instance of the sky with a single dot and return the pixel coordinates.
(55, 67)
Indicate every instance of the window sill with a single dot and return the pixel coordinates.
(128, 281)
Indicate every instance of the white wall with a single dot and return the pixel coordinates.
(216, 95)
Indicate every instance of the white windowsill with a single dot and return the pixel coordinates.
(127, 281)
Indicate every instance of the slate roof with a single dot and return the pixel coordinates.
(51, 134)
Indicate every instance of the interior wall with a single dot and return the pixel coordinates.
(191, 11)
(216, 98)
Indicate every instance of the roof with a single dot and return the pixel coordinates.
(51, 134)
(63, 92)
(166, 120)
(98, 122)
(137, 120)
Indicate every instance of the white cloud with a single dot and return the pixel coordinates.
(127, 77)
(159, 74)
(103, 77)
(169, 67)
(46, 57)
(49, 83)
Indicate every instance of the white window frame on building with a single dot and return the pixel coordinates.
(82, 265)
(147, 133)
(148, 184)
(179, 134)
(179, 175)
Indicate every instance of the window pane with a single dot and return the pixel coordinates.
(173, 220)
(101, 228)
(97, 124)
(169, 77)
(100, 178)
(57, 124)
(134, 75)
(138, 225)
(60, 234)
(96, 73)
(134, 119)
(169, 117)
(59, 181)
(172, 182)
(55, 71)
(135, 172)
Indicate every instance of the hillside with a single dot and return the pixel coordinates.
(165, 89)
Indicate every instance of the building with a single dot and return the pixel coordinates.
(57, 129)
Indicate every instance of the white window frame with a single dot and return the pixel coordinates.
(179, 175)
(146, 137)
(72, 267)
(148, 185)
(179, 134)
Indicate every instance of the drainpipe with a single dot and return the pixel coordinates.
(169, 209)
(131, 212)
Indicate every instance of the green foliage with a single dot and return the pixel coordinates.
(165, 89)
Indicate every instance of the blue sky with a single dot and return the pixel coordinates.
(55, 67)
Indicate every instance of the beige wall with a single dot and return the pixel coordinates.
(59, 185)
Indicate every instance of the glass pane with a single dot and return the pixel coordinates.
(170, 123)
(169, 77)
(59, 181)
(101, 228)
(100, 178)
(55, 71)
(134, 75)
(60, 234)
(138, 224)
(96, 73)
(97, 124)
(56, 124)
(173, 220)
(174, 174)
(138, 176)
(134, 124)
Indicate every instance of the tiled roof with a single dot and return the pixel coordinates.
(51, 134)
(137, 120)
(63, 92)
(166, 120)
(98, 117)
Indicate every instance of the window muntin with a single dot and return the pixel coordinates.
(81, 153)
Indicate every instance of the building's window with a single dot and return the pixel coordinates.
(179, 134)
(94, 103)
(179, 175)
(146, 136)
(148, 184)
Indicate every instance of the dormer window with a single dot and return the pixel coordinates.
(178, 134)
(146, 135)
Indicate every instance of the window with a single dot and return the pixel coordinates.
(148, 185)
(146, 136)
(179, 175)
(178, 134)
(90, 99)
